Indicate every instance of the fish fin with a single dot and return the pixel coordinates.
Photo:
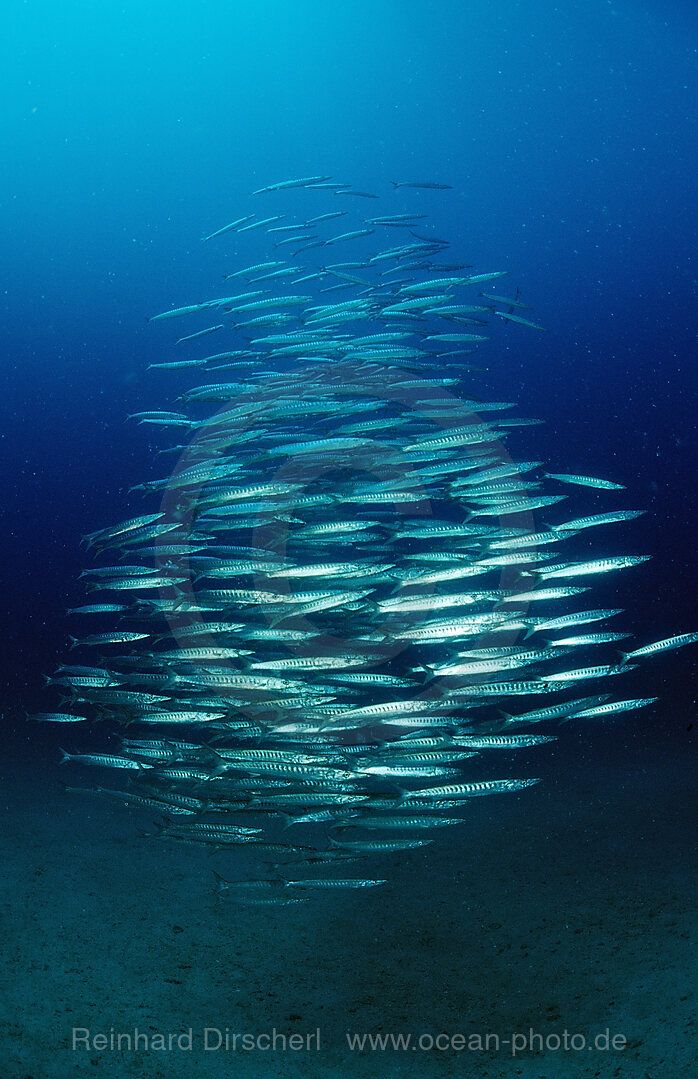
(149, 835)
(65, 757)
(223, 762)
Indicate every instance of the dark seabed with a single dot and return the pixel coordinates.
(566, 131)
(570, 908)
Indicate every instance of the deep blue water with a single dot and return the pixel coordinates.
(568, 131)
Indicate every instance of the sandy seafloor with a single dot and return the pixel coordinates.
(570, 906)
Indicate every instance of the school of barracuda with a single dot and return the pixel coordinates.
(342, 612)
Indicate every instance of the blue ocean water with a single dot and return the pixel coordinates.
(568, 133)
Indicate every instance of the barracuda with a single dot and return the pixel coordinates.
(470, 790)
(345, 445)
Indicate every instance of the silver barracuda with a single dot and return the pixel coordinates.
(341, 593)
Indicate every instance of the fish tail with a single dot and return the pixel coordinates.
(221, 761)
